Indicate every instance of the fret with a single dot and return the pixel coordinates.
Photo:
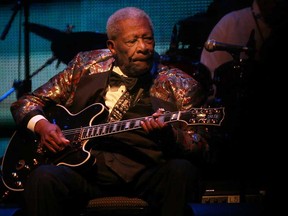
(133, 124)
(88, 133)
(93, 132)
(104, 128)
(85, 133)
(114, 128)
(81, 133)
(97, 132)
(127, 125)
(121, 127)
(137, 123)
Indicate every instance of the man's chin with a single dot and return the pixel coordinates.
(139, 69)
(142, 65)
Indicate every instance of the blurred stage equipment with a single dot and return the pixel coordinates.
(66, 44)
(189, 35)
(25, 85)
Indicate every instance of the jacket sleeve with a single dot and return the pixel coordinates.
(184, 92)
(61, 88)
(57, 90)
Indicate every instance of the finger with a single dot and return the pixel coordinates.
(61, 138)
(56, 146)
(146, 124)
(51, 143)
(159, 112)
(49, 146)
(159, 124)
(155, 124)
(152, 124)
(57, 139)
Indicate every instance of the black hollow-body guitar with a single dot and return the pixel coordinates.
(23, 153)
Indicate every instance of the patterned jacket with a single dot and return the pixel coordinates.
(170, 86)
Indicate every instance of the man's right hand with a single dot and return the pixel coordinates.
(51, 136)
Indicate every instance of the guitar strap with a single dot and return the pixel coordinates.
(127, 100)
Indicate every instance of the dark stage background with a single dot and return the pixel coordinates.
(179, 25)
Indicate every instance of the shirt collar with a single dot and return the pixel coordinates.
(117, 70)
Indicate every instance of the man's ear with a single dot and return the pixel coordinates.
(111, 46)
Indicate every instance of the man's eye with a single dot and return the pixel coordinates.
(131, 42)
(149, 40)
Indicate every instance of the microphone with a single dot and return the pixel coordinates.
(212, 45)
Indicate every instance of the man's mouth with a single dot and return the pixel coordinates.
(140, 59)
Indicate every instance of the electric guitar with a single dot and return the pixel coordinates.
(23, 153)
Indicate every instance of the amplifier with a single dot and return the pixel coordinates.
(231, 192)
(221, 199)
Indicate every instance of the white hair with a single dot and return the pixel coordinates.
(112, 27)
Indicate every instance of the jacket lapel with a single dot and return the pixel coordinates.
(88, 88)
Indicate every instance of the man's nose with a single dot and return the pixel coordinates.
(141, 43)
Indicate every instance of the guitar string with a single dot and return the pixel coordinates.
(124, 123)
(110, 125)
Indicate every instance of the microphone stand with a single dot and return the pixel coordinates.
(238, 69)
(237, 74)
(25, 85)
(27, 82)
(16, 8)
(21, 86)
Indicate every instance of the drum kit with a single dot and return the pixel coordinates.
(66, 44)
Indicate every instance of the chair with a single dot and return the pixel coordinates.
(116, 206)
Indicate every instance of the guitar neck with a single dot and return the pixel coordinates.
(195, 116)
(120, 126)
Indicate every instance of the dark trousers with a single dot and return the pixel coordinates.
(59, 190)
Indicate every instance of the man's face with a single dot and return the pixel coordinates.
(134, 47)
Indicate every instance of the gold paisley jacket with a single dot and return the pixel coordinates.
(170, 85)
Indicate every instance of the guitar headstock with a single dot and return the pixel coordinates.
(204, 116)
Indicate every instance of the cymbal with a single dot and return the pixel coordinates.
(65, 45)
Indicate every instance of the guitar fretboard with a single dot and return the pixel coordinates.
(196, 116)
